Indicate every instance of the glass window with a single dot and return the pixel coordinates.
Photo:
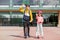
(51, 2)
(17, 2)
(4, 18)
(17, 15)
(50, 19)
(4, 15)
(16, 18)
(4, 2)
(31, 2)
(34, 2)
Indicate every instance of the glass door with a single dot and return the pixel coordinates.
(4, 18)
(50, 19)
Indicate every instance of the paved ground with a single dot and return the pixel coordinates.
(16, 33)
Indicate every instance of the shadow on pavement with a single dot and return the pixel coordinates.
(32, 36)
(22, 36)
(17, 36)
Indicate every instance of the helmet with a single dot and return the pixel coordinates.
(39, 11)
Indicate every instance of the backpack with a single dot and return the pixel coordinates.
(26, 18)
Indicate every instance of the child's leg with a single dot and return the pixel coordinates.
(37, 30)
(41, 29)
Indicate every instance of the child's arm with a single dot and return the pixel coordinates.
(31, 16)
(42, 20)
(21, 9)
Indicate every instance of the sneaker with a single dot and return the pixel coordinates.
(29, 36)
(25, 37)
(38, 37)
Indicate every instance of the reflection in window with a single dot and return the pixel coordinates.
(4, 15)
(17, 2)
(34, 2)
(16, 15)
(50, 19)
(31, 2)
(51, 2)
(4, 2)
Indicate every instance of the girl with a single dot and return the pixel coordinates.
(39, 29)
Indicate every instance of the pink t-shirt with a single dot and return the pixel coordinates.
(39, 19)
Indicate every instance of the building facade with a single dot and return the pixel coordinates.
(10, 15)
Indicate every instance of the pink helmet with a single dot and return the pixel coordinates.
(39, 11)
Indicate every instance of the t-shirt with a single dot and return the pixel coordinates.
(39, 19)
(27, 14)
